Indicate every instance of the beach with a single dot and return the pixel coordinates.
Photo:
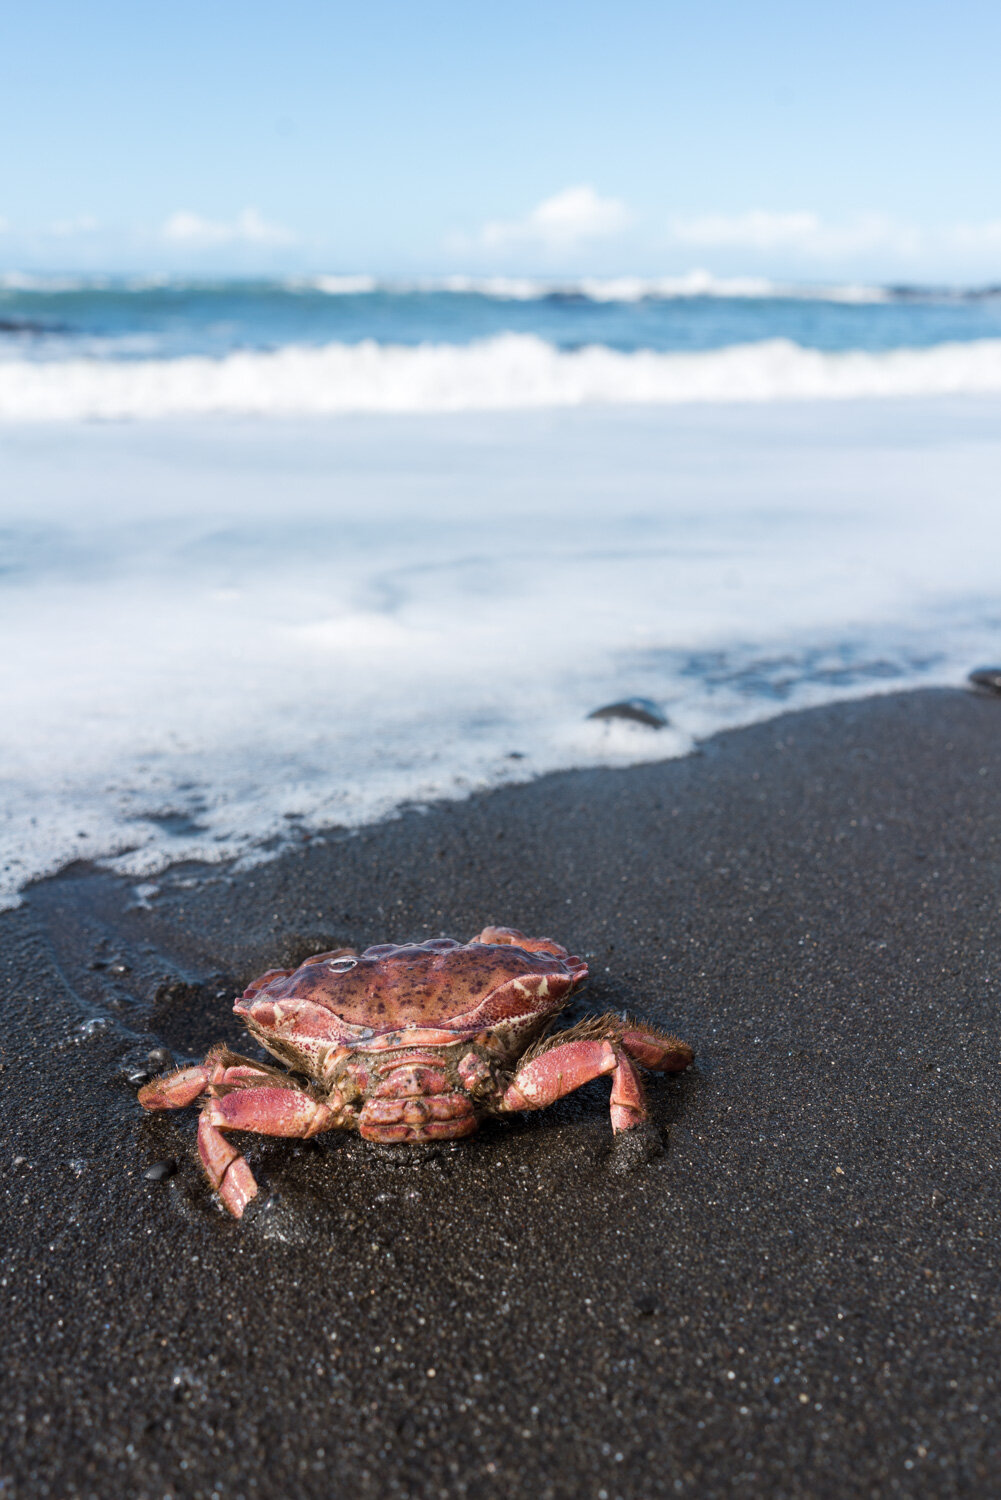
(800, 1296)
(528, 476)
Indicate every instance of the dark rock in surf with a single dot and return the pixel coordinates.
(636, 710)
(987, 679)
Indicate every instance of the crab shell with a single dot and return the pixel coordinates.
(401, 1038)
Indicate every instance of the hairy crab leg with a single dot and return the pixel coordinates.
(663, 1054)
(177, 1090)
(267, 1111)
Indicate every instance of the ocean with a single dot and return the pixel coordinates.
(90, 349)
(281, 558)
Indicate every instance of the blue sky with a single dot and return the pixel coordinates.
(799, 140)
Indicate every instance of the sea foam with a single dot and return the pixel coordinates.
(220, 637)
(509, 372)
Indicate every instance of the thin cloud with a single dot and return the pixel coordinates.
(569, 218)
(757, 230)
(975, 236)
(249, 228)
(762, 229)
(64, 229)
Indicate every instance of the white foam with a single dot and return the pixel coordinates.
(511, 372)
(40, 281)
(217, 635)
(696, 283)
(339, 286)
(623, 288)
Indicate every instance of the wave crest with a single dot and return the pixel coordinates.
(600, 288)
(510, 372)
(623, 289)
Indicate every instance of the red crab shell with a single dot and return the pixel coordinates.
(412, 995)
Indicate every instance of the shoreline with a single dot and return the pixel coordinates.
(800, 1297)
(449, 599)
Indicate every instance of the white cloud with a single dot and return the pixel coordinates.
(579, 216)
(569, 218)
(184, 228)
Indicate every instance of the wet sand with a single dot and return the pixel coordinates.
(801, 1296)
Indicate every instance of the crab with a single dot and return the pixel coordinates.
(409, 1043)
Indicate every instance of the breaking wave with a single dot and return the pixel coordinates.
(509, 372)
(600, 288)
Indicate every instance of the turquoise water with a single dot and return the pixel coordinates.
(63, 318)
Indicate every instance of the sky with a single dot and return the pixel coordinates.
(812, 142)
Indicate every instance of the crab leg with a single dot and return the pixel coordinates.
(242, 1096)
(627, 1105)
(510, 936)
(181, 1088)
(267, 1111)
(558, 1071)
(566, 1065)
(225, 1168)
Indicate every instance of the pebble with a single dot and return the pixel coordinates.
(987, 678)
(159, 1057)
(160, 1171)
(636, 710)
(136, 1077)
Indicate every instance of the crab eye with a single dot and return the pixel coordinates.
(342, 965)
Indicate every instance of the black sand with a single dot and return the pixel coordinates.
(800, 1297)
